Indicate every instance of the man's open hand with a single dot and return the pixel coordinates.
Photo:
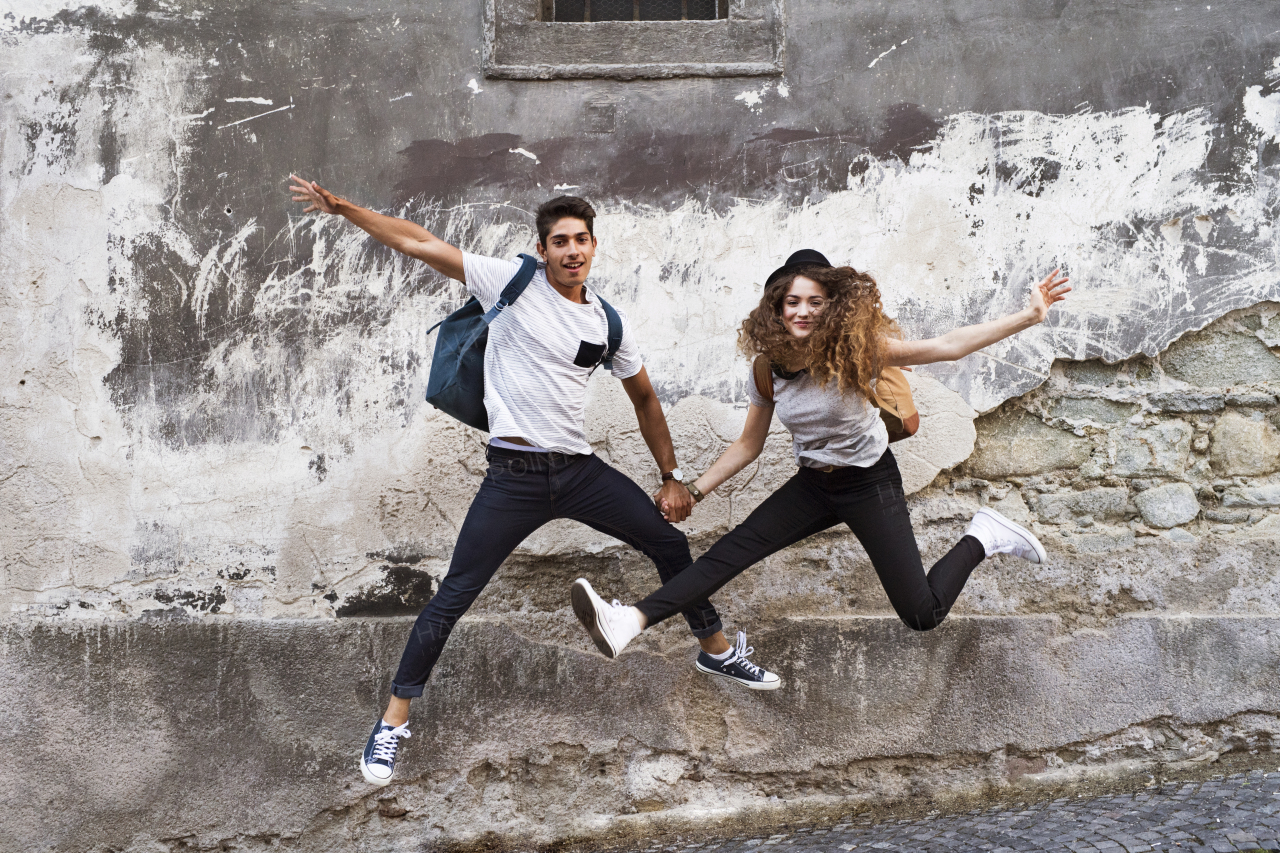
(313, 195)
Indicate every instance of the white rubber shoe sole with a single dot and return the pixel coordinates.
(371, 779)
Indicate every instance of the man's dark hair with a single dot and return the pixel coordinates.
(551, 212)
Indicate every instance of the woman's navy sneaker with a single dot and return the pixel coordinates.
(737, 668)
(379, 759)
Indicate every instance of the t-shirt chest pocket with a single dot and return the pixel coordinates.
(589, 354)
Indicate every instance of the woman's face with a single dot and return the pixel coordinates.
(802, 305)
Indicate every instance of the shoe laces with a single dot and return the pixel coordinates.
(743, 651)
(386, 741)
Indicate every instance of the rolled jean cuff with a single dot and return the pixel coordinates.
(702, 633)
(413, 691)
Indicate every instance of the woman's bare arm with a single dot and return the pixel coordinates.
(738, 455)
(399, 234)
(958, 343)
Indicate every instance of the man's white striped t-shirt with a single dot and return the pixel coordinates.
(541, 352)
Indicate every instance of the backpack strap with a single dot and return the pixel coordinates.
(514, 288)
(614, 339)
(762, 372)
(510, 293)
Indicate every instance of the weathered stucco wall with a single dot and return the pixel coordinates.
(217, 480)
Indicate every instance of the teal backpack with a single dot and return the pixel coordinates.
(456, 383)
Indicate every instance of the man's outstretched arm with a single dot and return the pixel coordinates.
(399, 234)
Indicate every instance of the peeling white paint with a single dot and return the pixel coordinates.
(401, 97)
(956, 234)
(687, 278)
(258, 116)
(1263, 111)
(752, 98)
(891, 49)
(266, 102)
(16, 13)
(474, 86)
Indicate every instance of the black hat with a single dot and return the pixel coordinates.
(800, 260)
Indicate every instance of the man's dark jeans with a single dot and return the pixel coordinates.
(522, 492)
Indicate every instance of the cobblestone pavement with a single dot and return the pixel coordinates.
(1239, 812)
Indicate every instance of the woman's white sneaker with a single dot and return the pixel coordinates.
(999, 535)
(611, 626)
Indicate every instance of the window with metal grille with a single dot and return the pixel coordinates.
(591, 11)
(632, 39)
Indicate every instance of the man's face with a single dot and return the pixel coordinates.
(569, 251)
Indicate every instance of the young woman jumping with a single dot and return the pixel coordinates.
(824, 331)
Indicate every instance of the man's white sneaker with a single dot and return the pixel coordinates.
(999, 535)
(611, 626)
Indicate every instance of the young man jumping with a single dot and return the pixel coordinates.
(541, 351)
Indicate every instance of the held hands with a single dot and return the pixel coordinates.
(674, 501)
(317, 196)
(1047, 292)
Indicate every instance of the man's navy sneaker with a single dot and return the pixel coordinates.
(379, 759)
(737, 668)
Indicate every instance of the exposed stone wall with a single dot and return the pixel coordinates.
(1152, 480)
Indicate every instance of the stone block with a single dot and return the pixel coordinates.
(1014, 442)
(1220, 358)
(1091, 372)
(1246, 398)
(1093, 409)
(1157, 450)
(1186, 401)
(946, 434)
(1268, 495)
(1244, 444)
(1062, 507)
(1168, 506)
(1268, 330)
(1101, 539)
(1227, 516)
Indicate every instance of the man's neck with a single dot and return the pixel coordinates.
(573, 292)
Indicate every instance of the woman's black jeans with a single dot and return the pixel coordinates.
(521, 492)
(871, 501)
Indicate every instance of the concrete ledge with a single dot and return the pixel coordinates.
(122, 735)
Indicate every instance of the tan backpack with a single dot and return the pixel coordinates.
(892, 397)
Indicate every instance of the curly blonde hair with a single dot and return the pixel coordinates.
(847, 341)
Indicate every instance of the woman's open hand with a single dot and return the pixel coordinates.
(1043, 295)
(314, 195)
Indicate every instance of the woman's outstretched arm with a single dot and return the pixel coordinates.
(736, 456)
(960, 342)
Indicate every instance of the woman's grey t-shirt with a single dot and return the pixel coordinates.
(827, 427)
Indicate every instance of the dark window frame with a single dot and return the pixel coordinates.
(547, 12)
(521, 43)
